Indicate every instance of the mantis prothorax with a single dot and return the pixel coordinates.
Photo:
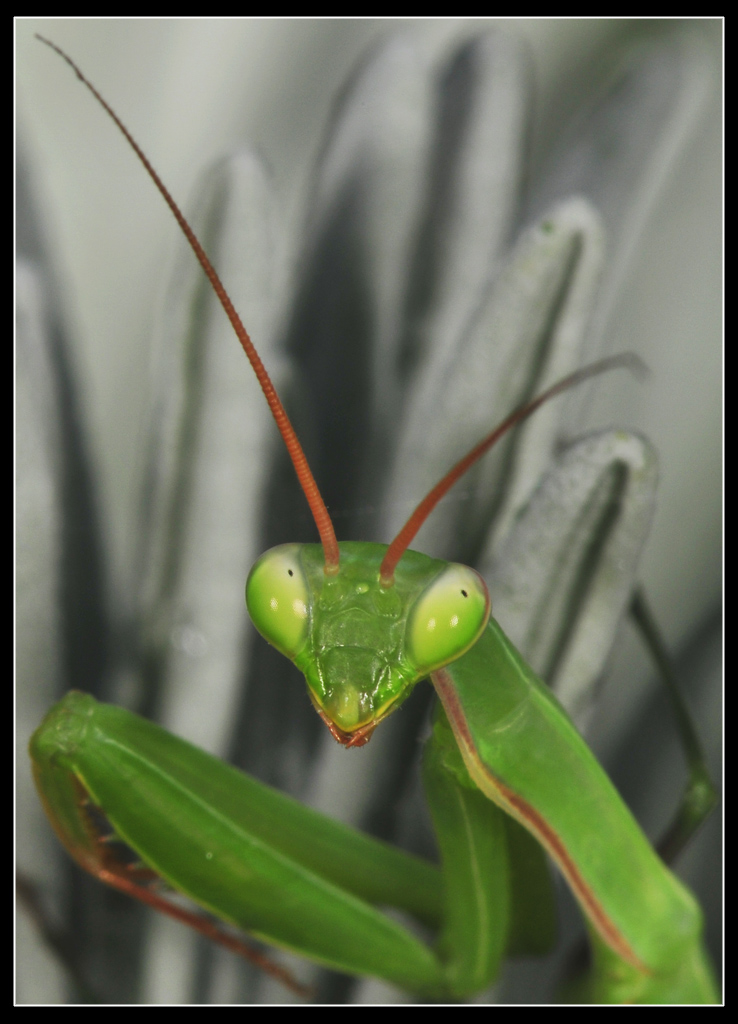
(300, 881)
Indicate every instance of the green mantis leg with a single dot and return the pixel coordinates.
(498, 897)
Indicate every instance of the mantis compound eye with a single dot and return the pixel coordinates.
(447, 619)
(278, 599)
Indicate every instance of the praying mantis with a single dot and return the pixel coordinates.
(373, 740)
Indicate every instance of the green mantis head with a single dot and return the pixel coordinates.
(363, 646)
(364, 622)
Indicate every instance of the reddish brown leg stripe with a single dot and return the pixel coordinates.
(99, 859)
(530, 819)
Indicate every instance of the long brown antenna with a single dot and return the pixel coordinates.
(304, 474)
(403, 539)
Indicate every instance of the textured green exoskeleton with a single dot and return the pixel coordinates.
(363, 647)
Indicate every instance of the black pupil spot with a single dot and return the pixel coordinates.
(464, 593)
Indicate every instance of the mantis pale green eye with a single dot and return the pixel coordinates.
(447, 618)
(278, 600)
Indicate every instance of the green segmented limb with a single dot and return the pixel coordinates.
(638, 909)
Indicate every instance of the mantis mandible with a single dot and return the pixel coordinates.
(458, 686)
